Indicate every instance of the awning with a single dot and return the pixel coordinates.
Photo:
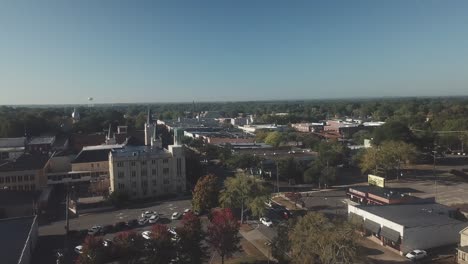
(372, 226)
(390, 234)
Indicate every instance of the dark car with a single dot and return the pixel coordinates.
(107, 229)
(119, 226)
(132, 223)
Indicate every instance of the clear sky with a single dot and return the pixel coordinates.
(54, 52)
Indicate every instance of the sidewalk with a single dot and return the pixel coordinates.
(257, 239)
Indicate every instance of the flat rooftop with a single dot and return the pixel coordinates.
(389, 193)
(413, 215)
(15, 232)
(130, 151)
(25, 162)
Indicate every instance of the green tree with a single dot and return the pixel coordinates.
(223, 233)
(243, 161)
(280, 245)
(128, 247)
(290, 169)
(387, 157)
(359, 136)
(189, 246)
(392, 131)
(205, 193)
(274, 138)
(245, 192)
(326, 242)
(119, 198)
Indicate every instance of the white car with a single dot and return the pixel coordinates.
(95, 230)
(147, 214)
(107, 242)
(153, 219)
(266, 221)
(175, 216)
(146, 234)
(173, 233)
(187, 210)
(416, 254)
(79, 249)
(143, 221)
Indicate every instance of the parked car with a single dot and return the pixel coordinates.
(107, 242)
(119, 226)
(175, 216)
(107, 229)
(416, 254)
(269, 203)
(143, 221)
(79, 249)
(153, 219)
(147, 214)
(132, 223)
(266, 221)
(173, 233)
(146, 234)
(95, 230)
(186, 211)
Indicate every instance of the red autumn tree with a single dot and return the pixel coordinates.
(93, 251)
(160, 249)
(223, 233)
(128, 246)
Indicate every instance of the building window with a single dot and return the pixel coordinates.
(154, 182)
(120, 174)
(166, 181)
(121, 186)
(13, 178)
(144, 184)
(153, 172)
(165, 171)
(31, 177)
(92, 165)
(145, 192)
(2, 180)
(7, 179)
(165, 161)
(26, 187)
(20, 178)
(32, 187)
(132, 164)
(20, 187)
(143, 173)
(153, 162)
(143, 163)
(133, 174)
(133, 184)
(120, 164)
(97, 165)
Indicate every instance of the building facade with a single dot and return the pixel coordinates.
(27, 173)
(462, 254)
(148, 171)
(405, 227)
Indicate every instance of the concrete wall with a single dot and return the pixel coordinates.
(431, 236)
(91, 166)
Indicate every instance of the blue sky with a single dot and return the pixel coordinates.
(54, 52)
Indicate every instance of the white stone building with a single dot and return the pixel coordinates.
(148, 171)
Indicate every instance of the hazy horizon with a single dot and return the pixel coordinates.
(119, 52)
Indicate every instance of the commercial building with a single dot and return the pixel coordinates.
(308, 127)
(12, 148)
(462, 250)
(405, 227)
(18, 240)
(26, 173)
(148, 171)
(43, 144)
(374, 195)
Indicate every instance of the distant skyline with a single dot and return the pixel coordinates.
(62, 52)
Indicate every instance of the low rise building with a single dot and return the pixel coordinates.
(42, 144)
(26, 173)
(308, 127)
(18, 240)
(462, 250)
(12, 148)
(374, 195)
(405, 227)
